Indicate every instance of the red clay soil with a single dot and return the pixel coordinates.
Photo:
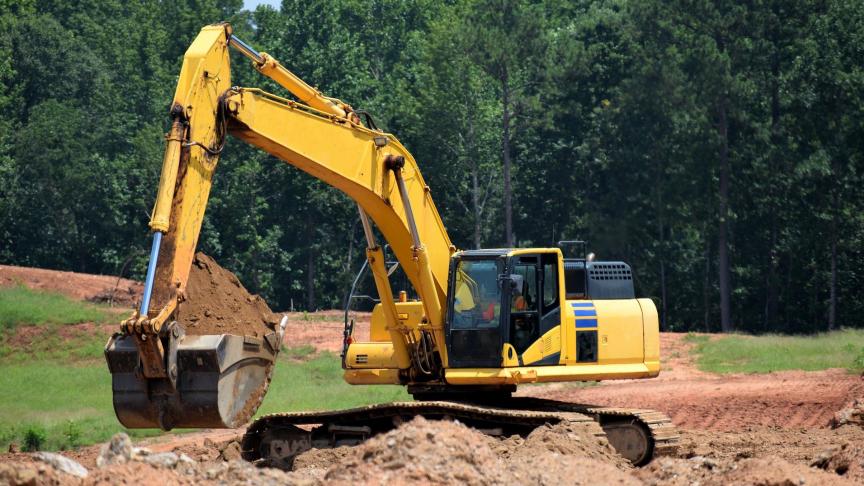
(722, 402)
(427, 452)
(80, 286)
(323, 329)
(217, 303)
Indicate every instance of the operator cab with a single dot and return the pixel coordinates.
(500, 297)
(511, 297)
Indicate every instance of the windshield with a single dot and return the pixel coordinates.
(476, 301)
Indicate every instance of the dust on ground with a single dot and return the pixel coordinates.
(217, 303)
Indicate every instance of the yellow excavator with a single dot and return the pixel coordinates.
(485, 321)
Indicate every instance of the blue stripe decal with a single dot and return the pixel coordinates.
(582, 304)
(586, 323)
(585, 312)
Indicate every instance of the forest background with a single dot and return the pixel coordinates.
(716, 146)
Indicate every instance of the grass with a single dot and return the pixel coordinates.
(317, 384)
(57, 388)
(20, 305)
(764, 354)
(68, 405)
(62, 405)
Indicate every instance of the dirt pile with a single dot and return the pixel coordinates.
(432, 452)
(846, 460)
(852, 414)
(441, 452)
(795, 445)
(577, 439)
(217, 303)
(32, 474)
(424, 452)
(766, 471)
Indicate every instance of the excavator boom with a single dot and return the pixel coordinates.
(319, 135)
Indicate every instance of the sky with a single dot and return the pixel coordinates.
(251, 4)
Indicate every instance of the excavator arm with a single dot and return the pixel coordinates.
(321, 136)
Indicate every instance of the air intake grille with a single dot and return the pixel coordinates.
(610, 271)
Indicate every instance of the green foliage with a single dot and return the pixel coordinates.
(611, 112)
(858, 364)
(34, 438)
(72, 435)
(764, 354)
(20, 305)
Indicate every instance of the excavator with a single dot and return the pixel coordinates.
(485, 321)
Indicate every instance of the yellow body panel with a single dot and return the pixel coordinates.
(372, 377)
(508, 356)
(549, 345)
(543, 374)
(651, 333)
(620, 333)
(408, 314)
(371, 356)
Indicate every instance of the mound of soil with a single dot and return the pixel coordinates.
(570, 439)
(424, 452)
(795, 445)
(846, 460)
(766, 471)
(135, 473)
(853, 413)
(29, 473)
(217, 303)
(441, 452)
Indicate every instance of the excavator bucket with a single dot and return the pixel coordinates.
(215, 381)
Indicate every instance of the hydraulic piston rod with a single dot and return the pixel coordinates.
(271, 68)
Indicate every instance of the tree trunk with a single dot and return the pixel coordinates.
(723, 228)
(310, 266)
(475, 199)
(475, 183)
(505, 149)
(706, 285)
(771, 280)
(832, 304)
(661, 238)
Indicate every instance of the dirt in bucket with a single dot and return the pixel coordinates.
(217, 303)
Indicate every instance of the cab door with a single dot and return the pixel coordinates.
(535, 309)
(524, 302)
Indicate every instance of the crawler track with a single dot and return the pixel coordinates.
(639, 435)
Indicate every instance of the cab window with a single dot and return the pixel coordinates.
(476, 301)
(550, 284)
(524, 296)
